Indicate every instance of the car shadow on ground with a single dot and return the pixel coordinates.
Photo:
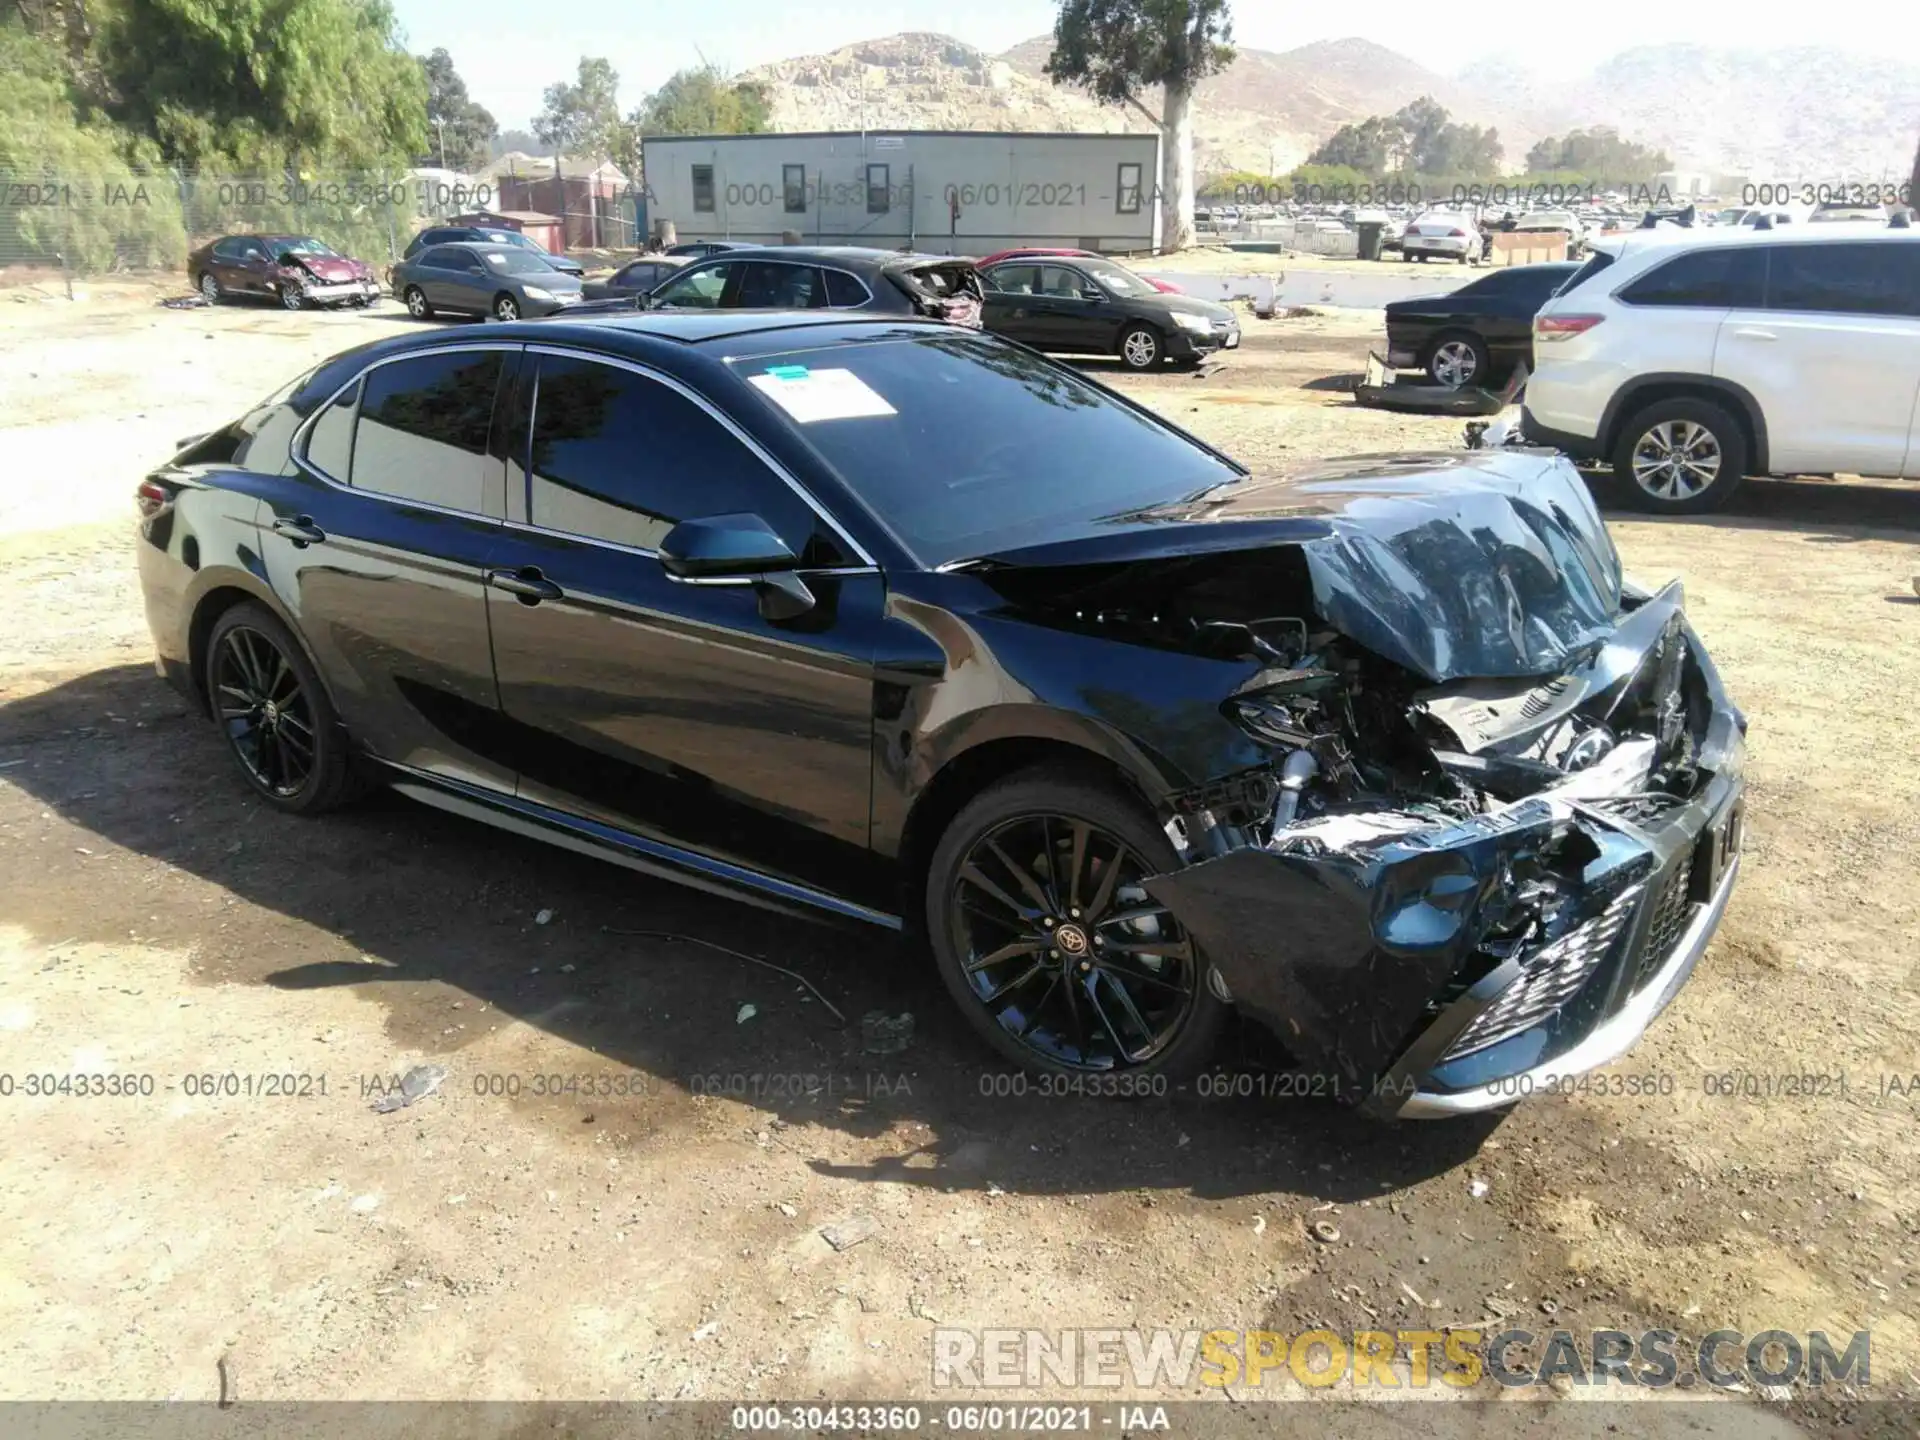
(1765, 504)
(417, 909)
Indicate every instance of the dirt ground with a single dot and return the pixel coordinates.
(638, 1235)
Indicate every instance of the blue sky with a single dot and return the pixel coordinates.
(510, 50)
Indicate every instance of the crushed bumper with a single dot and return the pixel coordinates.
(1391, 968)
(344, 290)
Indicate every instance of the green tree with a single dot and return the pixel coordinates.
(1121, 49)
(705, 100)
(459, 131)
(295, 85)
(1597, 154)
(583, 118)
(1418, 139)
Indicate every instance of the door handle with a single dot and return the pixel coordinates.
(527, 583)
(301, 530)
(1747, 332)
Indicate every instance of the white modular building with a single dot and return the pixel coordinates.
(961, 192)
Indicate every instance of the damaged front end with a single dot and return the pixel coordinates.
(1441, 897)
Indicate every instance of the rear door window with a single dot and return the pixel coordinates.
(622, 457)
(1862, 278)
(422, 428)
(777, 285)
(1013, 279)
(1731, 278)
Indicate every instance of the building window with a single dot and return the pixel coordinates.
(793, 180)
(878, 190)
(703, 188)
(1127, 200)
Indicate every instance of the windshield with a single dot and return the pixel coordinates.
(515, 262)
(1112, 277)
(963, 445)
(303, 245)
(511, 237)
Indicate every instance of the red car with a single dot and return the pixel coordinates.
(1164, 287)
(296, 270)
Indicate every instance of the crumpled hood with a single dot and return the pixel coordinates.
(333, 268)
(1454, 566)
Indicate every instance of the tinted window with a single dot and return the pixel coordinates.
(618, 456)
(330, 442)
(843, 290)
(423, 428)
(1713, 279)
(1013, 279)
(439, 259)
(695, 289)
(1062, 283)
(1596, 262)
(977, 445)
(771, 285)
(1864, 278)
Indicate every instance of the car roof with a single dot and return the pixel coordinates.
(852, 255)
(1675, 237)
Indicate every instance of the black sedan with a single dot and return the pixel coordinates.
(1474, 335)
(827, 277)
(903, 625)
(700, 249)
(636, 277)
(1091, 306)
(501, 281)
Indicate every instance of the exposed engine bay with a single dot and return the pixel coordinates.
(1480, 808)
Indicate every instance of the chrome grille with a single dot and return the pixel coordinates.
(1672, 913)
(1550, 977)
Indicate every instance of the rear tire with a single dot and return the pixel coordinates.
(1124, 991)
(278, 721)
(1680, 457)
(210, 289)
(417, 305)
(1458, 359)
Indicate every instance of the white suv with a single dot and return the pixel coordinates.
(1692, 358)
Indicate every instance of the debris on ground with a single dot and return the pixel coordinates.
(744, 1014)
(1325, 1231)
(543, 918)
(706, 1330)
(418, 1083)
(1477, 1188)
(845, 1234)
(884, 1034)
(184, 302)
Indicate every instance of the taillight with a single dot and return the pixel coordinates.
(151, 498)
(1563, 327)
(1457, 234)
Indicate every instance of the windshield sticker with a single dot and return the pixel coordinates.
(496, 261)
(814, 395)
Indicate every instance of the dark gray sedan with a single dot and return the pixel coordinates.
(503, 281)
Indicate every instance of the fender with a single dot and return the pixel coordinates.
(1630, 397)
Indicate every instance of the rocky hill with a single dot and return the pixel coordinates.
(1787, 115)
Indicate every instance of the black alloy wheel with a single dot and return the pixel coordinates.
(1056, 952)
(264, 712)
(277, 717)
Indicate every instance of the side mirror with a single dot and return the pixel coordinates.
(724, 548)
(724, 545)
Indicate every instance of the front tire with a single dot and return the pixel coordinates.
(1056, 955)
(505, 308)
(1141, 348)
(1680, 457)
(292, 297)
(278, 721)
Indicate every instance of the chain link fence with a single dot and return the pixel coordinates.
(131, 220)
